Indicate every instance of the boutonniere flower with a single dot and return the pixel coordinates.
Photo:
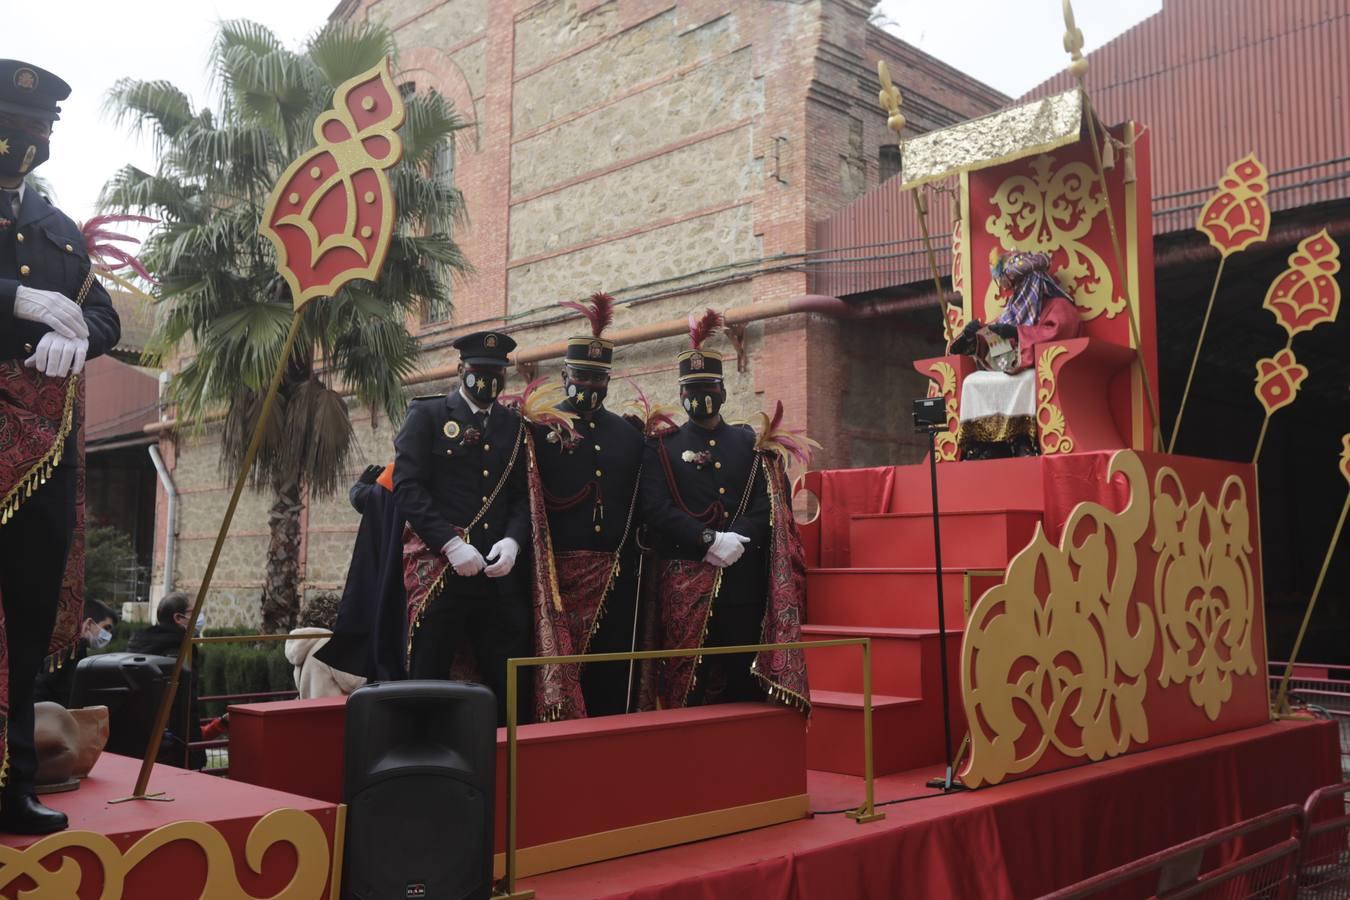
(472, 437)
(567, 440)
(6, 224)
(698, 458)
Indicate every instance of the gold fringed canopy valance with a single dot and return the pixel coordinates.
(1003, 136)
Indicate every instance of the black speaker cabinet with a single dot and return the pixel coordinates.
(419, 781)
(131, 686)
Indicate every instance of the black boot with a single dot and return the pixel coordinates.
(21, 813)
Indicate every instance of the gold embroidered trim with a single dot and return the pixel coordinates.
(995, 429)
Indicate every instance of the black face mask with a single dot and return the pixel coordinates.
(27, 151)
(584, 398)
(483, 385)
(702, 403)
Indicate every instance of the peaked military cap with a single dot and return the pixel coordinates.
(27, 90)
(696, 363)
(592, 351)
(484, 348)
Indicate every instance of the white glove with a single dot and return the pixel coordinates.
(464, 557)
(504, 552)
(727, 547)
(52, 309)
(58, 356)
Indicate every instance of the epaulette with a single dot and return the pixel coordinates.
(428, 397)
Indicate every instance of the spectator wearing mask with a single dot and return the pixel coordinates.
(313, 677)
(95, 632)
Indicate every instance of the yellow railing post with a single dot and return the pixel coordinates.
(868, 811)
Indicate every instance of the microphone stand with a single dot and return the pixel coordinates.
(926, 420)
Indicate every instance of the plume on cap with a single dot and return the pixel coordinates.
(787, 443)
(600, 312)
(702, 328)
(106, 258)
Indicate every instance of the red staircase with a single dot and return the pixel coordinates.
(882, 584)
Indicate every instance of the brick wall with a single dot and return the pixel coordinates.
(665, 152)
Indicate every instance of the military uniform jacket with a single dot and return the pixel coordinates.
(43, 249)
(447, 462)
(589, 484)
(694, 478)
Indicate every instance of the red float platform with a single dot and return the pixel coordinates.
(1015, 840)
(650, 779)
(216, 838)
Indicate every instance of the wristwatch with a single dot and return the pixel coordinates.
(708, 537)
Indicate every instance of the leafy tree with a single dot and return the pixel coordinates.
(225, 311)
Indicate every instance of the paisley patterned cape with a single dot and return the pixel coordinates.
(557, 689)
(685, 593)
(37, 414)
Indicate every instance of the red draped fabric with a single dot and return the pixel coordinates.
(845, 493)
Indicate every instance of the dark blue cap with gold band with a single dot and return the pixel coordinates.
(699, 365)
(27, 90)
(484, 348)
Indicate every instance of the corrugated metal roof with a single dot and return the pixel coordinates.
(1213, 80)
(1217, 79)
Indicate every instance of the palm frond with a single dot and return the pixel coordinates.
(155, 106)
(344, 49)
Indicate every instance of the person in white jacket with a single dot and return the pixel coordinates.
(314, 678)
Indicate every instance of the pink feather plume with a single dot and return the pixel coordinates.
(599, 312)
(704, 327)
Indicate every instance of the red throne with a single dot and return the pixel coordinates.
(1090, 396)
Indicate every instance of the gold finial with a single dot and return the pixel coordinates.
(890, 98)
(1073, 43)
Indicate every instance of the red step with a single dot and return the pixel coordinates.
(890, 598)
(904, 660)
(906, 733)
(981, 539)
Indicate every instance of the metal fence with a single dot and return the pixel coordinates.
(1323, 690)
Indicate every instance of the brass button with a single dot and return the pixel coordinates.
(598, 473)
(484, 499)
(487, 447)
(27, 348)
(597, 529)
(24, 270)
(712, 442)
(597, 448)
(450, 451)
(69, 249)
(592, 424)
(485, 473)
(486, 526)
(726, 515)
(721, 490)
(19, 237)
(717, 465)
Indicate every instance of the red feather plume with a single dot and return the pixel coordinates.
(788, 444)
(600, 312)
(651, 418)
(104, 254)
(700, 329)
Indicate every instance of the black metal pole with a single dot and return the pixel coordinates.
(942, 615)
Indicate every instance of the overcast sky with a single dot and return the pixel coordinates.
(92, 44)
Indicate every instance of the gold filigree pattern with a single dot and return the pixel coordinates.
(1049, 417)
(1055, 656)
(1051, 211)
(290, 826)
(1203, 589)
(945, 386)
(956, 315)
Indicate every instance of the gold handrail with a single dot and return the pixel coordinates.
(245, 638)
(867, 812)
(967, 587)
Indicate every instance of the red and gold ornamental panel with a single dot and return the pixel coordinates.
(1134, 621)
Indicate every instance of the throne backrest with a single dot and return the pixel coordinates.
(1052, 202)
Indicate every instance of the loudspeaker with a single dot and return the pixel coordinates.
(419, 784)
(131, 685)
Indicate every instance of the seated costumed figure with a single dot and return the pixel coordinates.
(998, 403)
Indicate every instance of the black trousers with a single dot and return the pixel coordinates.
(727, 678)
(33, 549)
(494, 620)
(605, 685)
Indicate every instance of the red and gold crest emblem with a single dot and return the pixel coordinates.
(25, 79)
(696, 362)
(490, 341)
(595, 350)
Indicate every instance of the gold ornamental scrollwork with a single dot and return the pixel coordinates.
(291, 826)
(1049, 417)
(945, 386)
(1055, 656)
(1052, 210)
(1203, 589)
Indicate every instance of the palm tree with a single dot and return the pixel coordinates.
(225, 311)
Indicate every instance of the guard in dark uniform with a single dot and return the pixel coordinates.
(705, 499)
(590, 492)
(459, 479)
(43, 266)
